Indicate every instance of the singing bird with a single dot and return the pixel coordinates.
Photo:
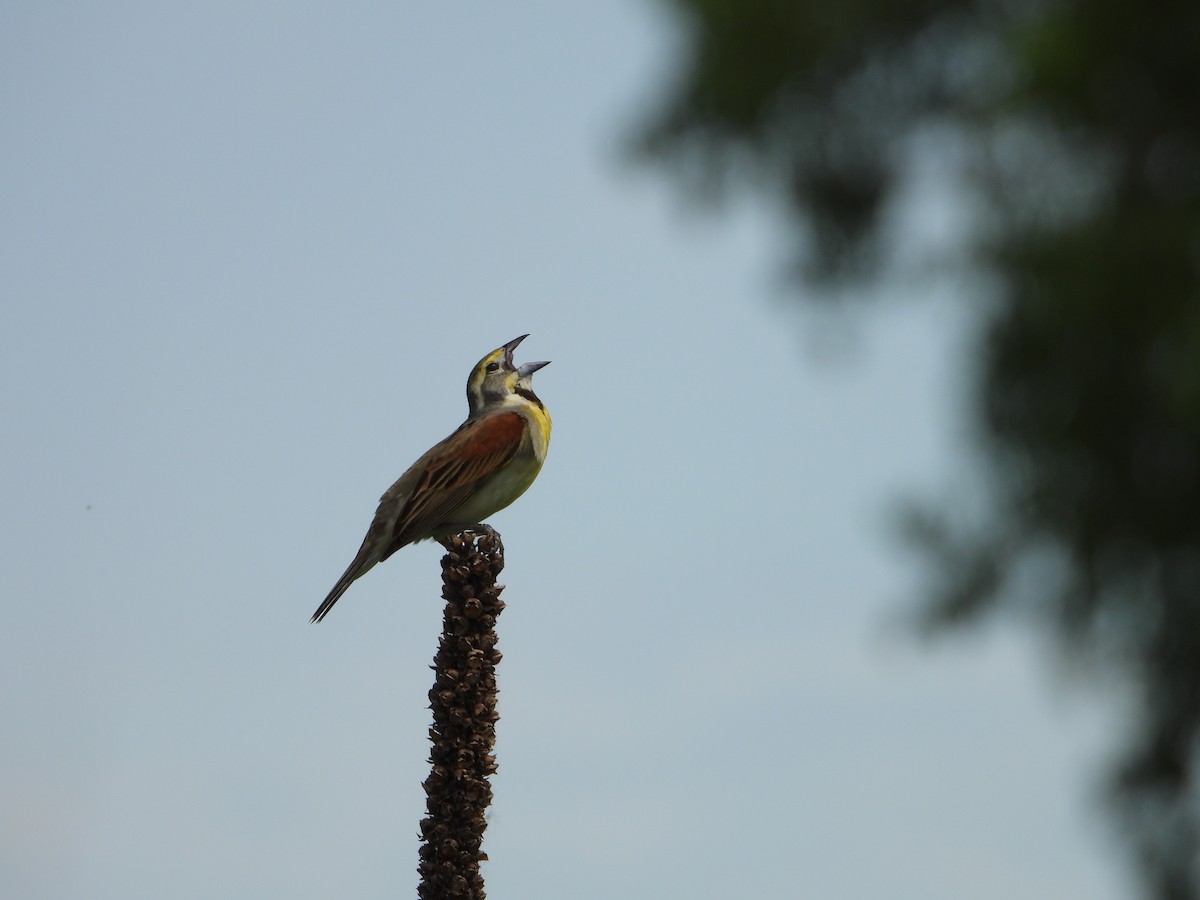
(486, 464)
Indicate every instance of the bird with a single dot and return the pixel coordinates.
(483, 466)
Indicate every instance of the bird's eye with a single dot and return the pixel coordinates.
(492, 367)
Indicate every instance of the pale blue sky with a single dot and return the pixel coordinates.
(249, 253)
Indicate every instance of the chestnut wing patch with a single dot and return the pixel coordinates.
(455, 470)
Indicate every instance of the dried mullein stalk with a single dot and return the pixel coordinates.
(463, 733)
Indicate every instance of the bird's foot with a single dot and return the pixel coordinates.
(480, 530)
(489, 535)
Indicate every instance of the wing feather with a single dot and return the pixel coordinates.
(453, 470)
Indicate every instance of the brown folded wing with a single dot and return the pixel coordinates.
(452, 471)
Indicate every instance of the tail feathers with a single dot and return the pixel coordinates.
(357, 569)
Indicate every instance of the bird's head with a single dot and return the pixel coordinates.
(495, 380)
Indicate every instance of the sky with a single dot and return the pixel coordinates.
(249, 253)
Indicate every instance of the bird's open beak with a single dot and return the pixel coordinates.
(528, 368)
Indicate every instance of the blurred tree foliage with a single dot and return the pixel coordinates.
(1076, 128)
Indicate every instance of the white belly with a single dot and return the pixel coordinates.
(500, 491)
